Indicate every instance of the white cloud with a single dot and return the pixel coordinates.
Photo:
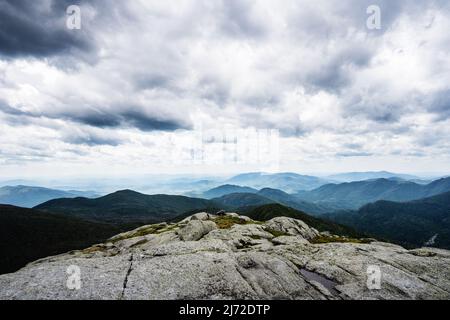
(145, 75)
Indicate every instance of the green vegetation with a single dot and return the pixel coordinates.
(328, 239)
(27, 235)
(238, 200)
(226, 222)
(93, 249)
(290, 200)
(276, 233)
(126, 206)
(145, 230)
(142, 241)
(410, 224)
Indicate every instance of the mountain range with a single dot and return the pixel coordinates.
(241, 200)
(331, 196)
(293, 201)
(368, 175)
(30, 196)
(126, 206)
(352, 195)
(411, 224)
(30, 234)
(226, 189)
(392, 209)
(288, 182)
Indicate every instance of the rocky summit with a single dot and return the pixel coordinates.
(233, 257)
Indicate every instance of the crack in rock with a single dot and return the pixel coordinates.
(125, 281)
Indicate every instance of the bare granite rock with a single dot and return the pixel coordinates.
(195, 259)
(195, 230)
(292, 227)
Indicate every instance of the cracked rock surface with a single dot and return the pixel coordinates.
(203, 258)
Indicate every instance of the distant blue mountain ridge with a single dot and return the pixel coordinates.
(30, 196)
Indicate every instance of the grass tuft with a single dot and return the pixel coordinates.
(276, 233)
(226, 222)
(330, 239)
(94, 249)
(143, 231)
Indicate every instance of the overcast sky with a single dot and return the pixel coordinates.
(223, 86)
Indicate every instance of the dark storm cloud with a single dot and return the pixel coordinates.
(91, 139)
(28, 28)
(120, 117)
(96, 119)
(149, 123)
(127, 117)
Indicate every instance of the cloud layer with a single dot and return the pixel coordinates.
(144, 78)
